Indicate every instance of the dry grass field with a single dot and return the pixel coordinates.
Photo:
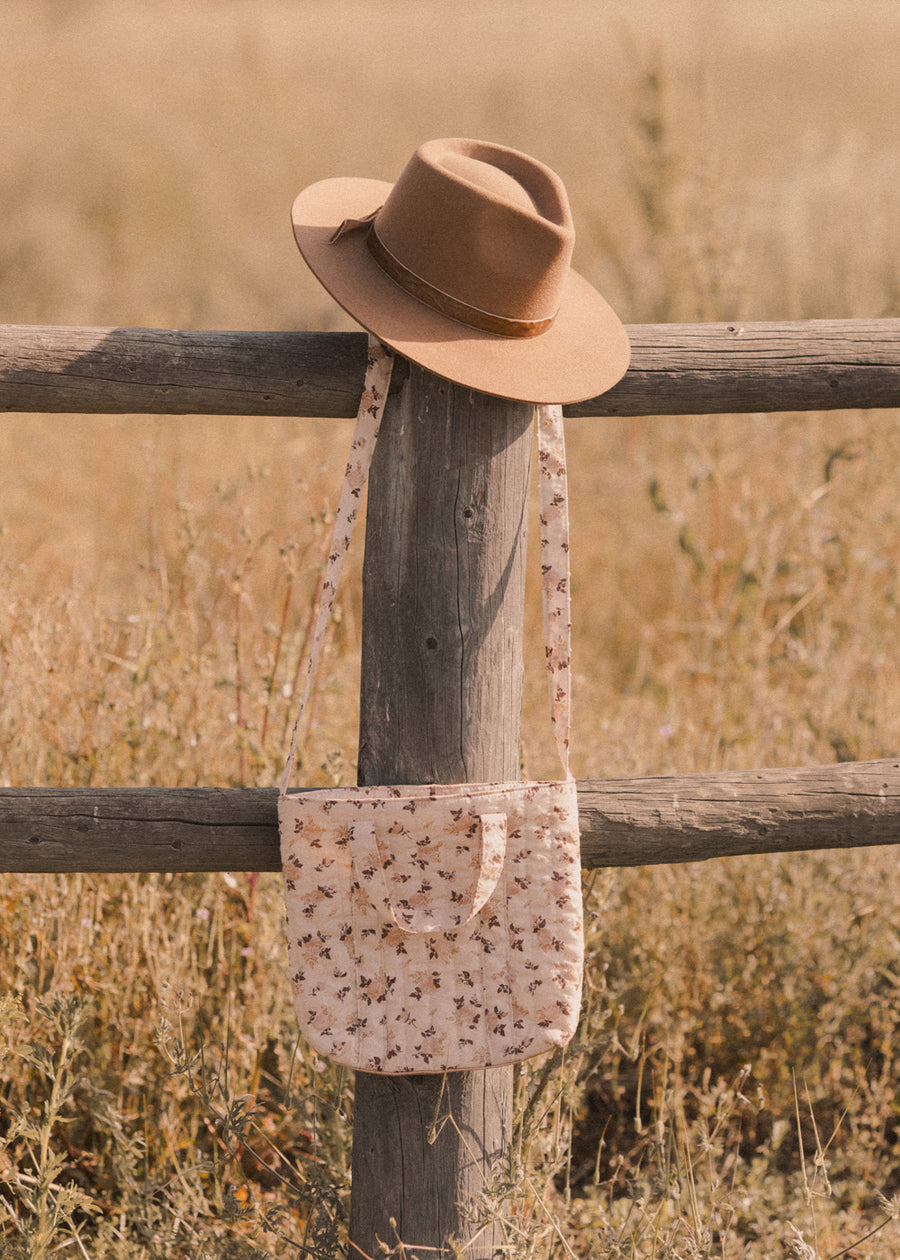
(734, 1092)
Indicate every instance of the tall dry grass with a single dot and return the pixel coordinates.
(733, 1091)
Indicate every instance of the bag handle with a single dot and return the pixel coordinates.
(554, 511)
(366, 860)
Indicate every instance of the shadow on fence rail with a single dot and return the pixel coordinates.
(676, 369)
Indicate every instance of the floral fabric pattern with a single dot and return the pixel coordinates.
(392, 971)
(555, 570)
(438, 927)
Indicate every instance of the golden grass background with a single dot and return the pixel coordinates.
(734, 1089)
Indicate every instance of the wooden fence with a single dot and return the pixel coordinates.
(431, 1187)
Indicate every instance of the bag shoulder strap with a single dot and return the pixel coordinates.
(555, 577)
(554, 546)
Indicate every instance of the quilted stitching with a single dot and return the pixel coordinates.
(502, 985)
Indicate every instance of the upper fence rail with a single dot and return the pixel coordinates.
(676, 369)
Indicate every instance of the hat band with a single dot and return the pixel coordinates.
(445, 303)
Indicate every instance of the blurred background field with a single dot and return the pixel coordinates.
(734, 1090)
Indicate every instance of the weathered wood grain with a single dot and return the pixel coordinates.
(440, 702)
(808, 365)
(694, 817)
(444, 587)
(106, 830)
(624, 822)
(676, 369)
(162, 371)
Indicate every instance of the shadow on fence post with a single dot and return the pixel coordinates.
(441, 695)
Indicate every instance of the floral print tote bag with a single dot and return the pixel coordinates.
(439, 927)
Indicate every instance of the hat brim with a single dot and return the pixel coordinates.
(583, 353)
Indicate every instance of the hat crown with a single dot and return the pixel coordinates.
(483, 223)
(496, 182)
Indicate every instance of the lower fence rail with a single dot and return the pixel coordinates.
(624, 822)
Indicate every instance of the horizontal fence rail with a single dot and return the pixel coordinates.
(624, 822)
(676, 369)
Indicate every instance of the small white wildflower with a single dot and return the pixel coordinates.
(798, 1246)
(890, 1207)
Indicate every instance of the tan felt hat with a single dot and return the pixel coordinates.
(463, 266)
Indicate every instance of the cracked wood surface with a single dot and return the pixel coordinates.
(624, 822)
(440, 702)
(676, 369)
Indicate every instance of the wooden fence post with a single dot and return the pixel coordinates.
(441, 693)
